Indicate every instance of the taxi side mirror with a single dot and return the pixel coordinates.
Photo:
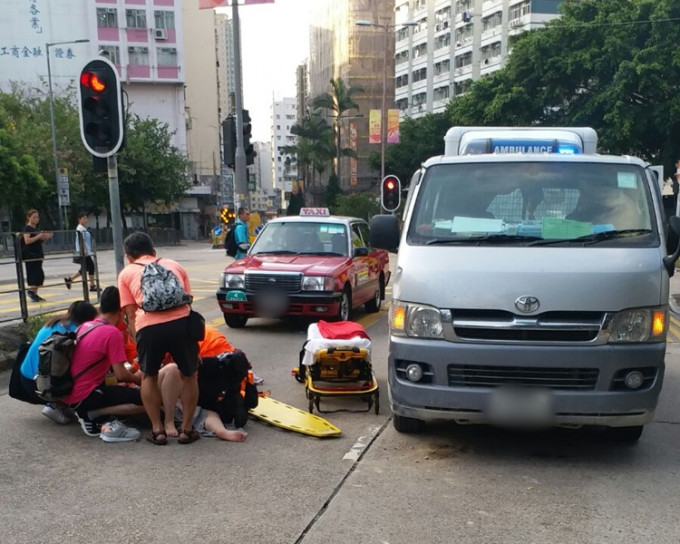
(360, 252)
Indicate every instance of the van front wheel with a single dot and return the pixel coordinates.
(407, 425)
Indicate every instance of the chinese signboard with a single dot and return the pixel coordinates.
(353, 161)
(374, 127)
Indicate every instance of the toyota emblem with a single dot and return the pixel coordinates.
(527, 304)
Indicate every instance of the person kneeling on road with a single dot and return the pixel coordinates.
(98, 351)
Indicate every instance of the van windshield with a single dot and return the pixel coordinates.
(533, 203)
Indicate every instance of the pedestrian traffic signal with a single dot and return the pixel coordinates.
(229, 141)
(100, 111)
(247, 133)
(390, 193)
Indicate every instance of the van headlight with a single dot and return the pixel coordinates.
(233, 281)
(417, 320)
(317, 283)
(639, 325)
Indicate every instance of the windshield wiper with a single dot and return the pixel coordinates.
(595, 238)
(276, 252)
(331, 253)
(493, 238)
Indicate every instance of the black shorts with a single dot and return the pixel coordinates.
(89, 265)
(35, 276)
(104, 396)
(154, 341)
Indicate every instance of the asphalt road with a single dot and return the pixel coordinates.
(370, 485)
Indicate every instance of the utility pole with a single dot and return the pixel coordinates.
(241, 195)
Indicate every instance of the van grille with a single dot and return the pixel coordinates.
(288, 283)
(581, 379)
(492, 325)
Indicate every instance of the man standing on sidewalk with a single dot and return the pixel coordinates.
(241, 232)
(158, 333)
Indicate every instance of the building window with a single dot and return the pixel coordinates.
(167, 56)
(112, 51)
(136, 18)
(165, 19)
(420, 50)
(419, 75)
(107, 17)
(139, 56)
(441, 93)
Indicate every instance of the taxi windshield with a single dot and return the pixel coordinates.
(302, 238)
(533, 203)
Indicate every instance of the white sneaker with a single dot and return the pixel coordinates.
(56, 414)
(116, 431)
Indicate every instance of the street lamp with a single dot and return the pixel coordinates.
(54, 130)
(383, 109)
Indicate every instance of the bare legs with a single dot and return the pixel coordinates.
(174, 386)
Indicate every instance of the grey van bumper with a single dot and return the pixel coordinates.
(598, 406)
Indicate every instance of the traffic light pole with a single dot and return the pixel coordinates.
(241, 195)
(116, 221)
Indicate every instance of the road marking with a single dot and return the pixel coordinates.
(360, 445)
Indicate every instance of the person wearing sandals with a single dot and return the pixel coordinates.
(101, 349)
(81, 230)
(32, 253)
(158, 333)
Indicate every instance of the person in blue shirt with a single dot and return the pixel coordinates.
(241, 233)
(78, 313)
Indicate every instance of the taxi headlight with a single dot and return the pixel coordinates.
(317, 283)
(639, 325)
(417, 320)
(233, 281)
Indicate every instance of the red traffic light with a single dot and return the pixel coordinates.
(389, 184)
(390, 193)
(93, 81)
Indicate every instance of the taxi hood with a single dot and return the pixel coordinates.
(310, 265)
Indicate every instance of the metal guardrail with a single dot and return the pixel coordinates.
(54, 250)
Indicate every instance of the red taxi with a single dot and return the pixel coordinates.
(311, 265)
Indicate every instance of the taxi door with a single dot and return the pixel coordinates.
(364, 281)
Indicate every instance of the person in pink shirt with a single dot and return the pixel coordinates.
(102, 348)
(158, 333)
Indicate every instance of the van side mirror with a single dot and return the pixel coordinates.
(673, 243)
(384, 232)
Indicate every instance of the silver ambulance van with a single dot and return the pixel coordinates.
(531, 285)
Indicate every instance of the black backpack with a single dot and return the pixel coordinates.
(230, 242)
(54, 380)
(219, 384)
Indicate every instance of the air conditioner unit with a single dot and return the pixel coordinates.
(161, 34)
(458, 44)
(446, 24)
(437, 28)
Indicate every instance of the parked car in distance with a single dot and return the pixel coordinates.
(312, 265)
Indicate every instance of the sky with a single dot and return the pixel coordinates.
(274, 41)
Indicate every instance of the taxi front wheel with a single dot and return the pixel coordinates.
(345, 306)
(235, 321)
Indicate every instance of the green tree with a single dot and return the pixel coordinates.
(419, 139)
(363, 205)
(150, 168)
(609, 64)
(339, 101)
(314, 149)
(333, 191)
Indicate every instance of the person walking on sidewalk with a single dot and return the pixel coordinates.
(86, 253)
(158, 333)
(32, 254)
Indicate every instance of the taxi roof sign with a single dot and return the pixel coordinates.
(318, 212)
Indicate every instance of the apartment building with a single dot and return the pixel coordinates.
(284, 116)
(341, 49)
(454, 43)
